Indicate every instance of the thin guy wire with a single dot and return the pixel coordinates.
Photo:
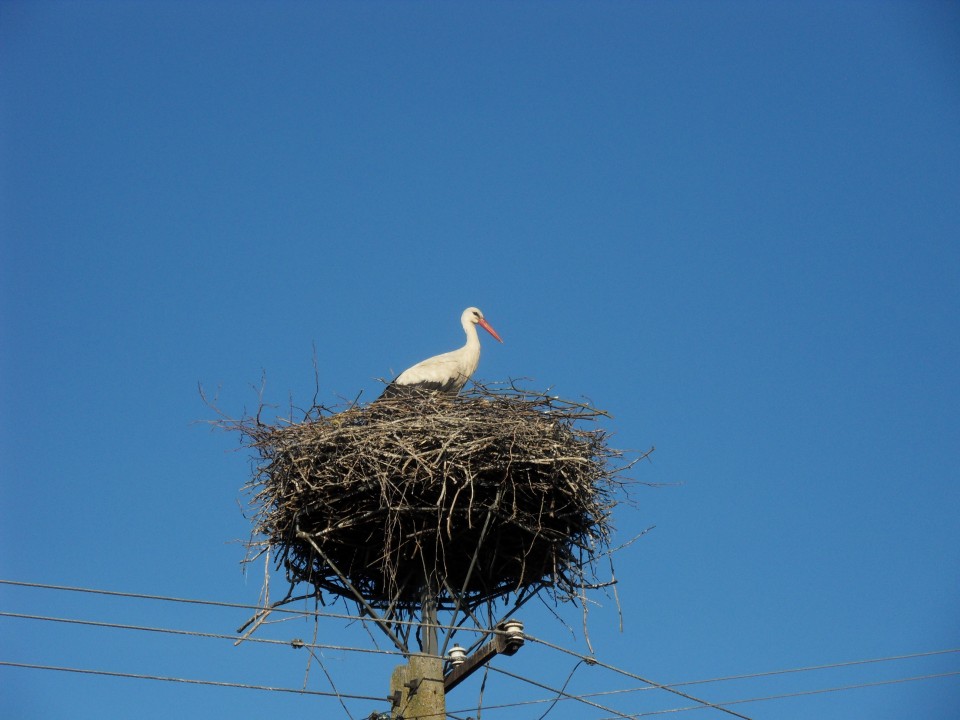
(329, 680)
(189, 681)
(562, 691)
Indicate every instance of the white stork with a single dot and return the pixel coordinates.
(446, 373)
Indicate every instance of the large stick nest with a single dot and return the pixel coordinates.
(474, 497)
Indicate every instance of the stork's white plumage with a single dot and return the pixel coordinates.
(446, 373)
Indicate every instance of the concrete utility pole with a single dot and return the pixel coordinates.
(418, 689)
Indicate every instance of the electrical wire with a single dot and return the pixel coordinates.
(671, 687)
(632, 716)
(189, 681)
(296, 642)
(585, 658)
(341, 696)
(241, 606)
(785, 671)
(593, 661)
(802, 693)
(766, 673)
(559, 694)
(139, 596)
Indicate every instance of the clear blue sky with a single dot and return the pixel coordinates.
(735, 226)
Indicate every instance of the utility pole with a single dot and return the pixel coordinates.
(418, 689)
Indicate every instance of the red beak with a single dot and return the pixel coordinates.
(486, 326)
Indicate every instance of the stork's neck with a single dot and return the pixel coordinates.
(473, 341)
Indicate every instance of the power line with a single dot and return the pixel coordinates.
(189, 681)
(296, 643)
(167, 598)
(559, 693)
(785, 671)
(801, 693)
(582, 697)
(810, 668)
(672, 687)
(633, 716)
(849, 663)
(593, 661)
(224, 604)
(221, 603)
(650, 685)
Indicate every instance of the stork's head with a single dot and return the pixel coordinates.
(473, 315)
